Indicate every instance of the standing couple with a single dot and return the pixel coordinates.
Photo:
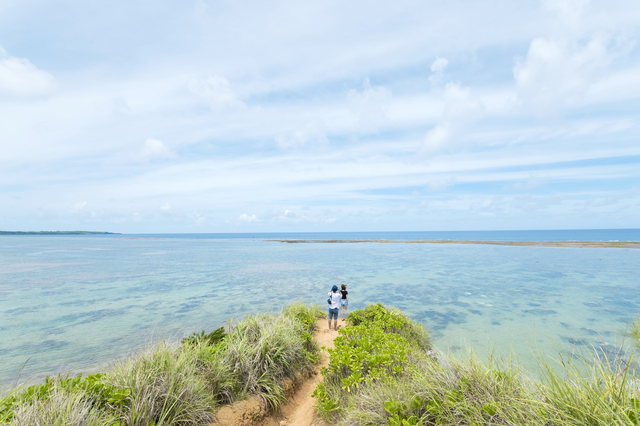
(338, 299)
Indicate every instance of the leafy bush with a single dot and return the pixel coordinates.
(210, 339)
(378, 345)
(391, 320)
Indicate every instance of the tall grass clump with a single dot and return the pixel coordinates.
(62, 409)
(165, 387)
(603, 391)
(305, 314)
(179, 384)
(448, 391)
(63, 400)
(266, 349)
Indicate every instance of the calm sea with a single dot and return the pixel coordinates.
(76, 303)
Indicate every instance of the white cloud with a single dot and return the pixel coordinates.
(369, 107)
(120, 107)
(441, 183)
(460, 109)
(216, 91)
(78, 207)
(297, 65)
(155, 149)
(560, 69)
(198, 218)
(290, 215)
(314, 134)
(20, 78)
(248, 218)
(437, 68)
(530, 184)
(437, 138)
(569, 11)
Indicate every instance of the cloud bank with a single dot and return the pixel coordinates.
(319, 116)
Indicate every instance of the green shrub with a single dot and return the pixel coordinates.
(391, 320)
(377, 346)
(210, 339)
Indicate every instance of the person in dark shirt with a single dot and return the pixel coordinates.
(344, 302)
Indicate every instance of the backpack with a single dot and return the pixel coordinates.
(329, 300)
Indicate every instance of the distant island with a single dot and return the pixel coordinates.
(591, 244)
(54, 233)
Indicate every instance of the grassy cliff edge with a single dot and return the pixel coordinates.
(382, 372)
(180, 384)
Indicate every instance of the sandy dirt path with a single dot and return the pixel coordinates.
(300, 409)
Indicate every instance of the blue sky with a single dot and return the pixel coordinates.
(245, 116)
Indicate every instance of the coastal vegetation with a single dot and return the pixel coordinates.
(179, 384)
(633, 331)
(383, 372)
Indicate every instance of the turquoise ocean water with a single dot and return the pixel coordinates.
(76, 303)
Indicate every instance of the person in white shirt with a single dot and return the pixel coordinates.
(335, 297)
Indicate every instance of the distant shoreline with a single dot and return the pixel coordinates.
(573, 244)
(55, 233)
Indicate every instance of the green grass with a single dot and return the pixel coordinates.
(382, 371)
(179, 384)
(432, 388)
(62, 408)
(633, 331)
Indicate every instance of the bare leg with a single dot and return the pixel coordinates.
(329, 323)
(335, 323)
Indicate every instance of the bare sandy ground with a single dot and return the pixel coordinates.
(300, 407)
